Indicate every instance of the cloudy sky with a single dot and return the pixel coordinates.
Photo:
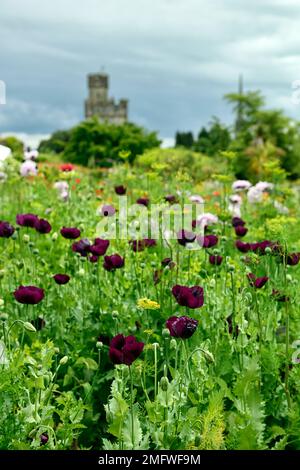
(173, 59)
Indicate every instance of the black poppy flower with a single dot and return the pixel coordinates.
(6, 229)
(70, 233)
(61, 279)
(279, 296)
(99, 247)
(243, 247)
(184, 237)
(43, 226)
(120, 190)
(207, 241)
(260, 247)
(108, 210)
(240, 230)
(113, 262)
(27, 220)
(137, 245)
(38, 323)
(182, 327)
(216, 260)
(237, 222)
(29, 295)
(171, 199)
(293, 259)
(149, 242)
(82, 246)
(144, 201)
(44, 438)
(125, 349)
(231, 330)
(257, 282)
(94, 259)
(192, 297)
(168, 262)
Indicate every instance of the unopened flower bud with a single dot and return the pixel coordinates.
(64, 360)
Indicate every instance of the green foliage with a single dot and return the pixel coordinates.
(56, 143)
(16, 145)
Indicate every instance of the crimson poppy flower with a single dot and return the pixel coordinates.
(108, 210)
(29, 295)
(70, 233)
(66, 167)
(6, 230)
(237, 222)
(113, 262)
(184, 237)
(44, 438)
(171, 199)
(27, 220)
(125, 349)
(279, 296)
(144, 201)
(216, 260)
(182, 327)
(83, 247)
(61, 278)
(120, 190)
(99, 247)
(257, 282)
(293, 259)
(240, 230)
(207, 241)
(243, 247)
(192, 297)
(43, 226)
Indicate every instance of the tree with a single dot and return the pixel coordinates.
(184, 139)
(56, 143)
(213, 140)
(16, 145)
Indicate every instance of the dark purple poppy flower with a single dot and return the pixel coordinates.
(99, 247)
(149, 242)
(171, 199)
(29, 295)
(61, 278)
(293, 259)
(137, 245)
(260, 247)
(120, 190)
(243, 247)
(82, 246)
(43, 226)
(113, 262)
(240, 231)
(6, 230)
(232, 331)
(257, 282)
(144, 201)
(27, 220)
(216, 260)
(279, 296)
(181, 327)
(70, 232)
(192, 297)
(108, 210)
(237, 222)
(125, 349)
(94, 259)
(44, 438)
(166, 262)
(184, 237)
(39, 323)
(207, 241)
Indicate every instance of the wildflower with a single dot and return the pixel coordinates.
(70, 233)
(28, 168)
(197, 199)
(257, 282)
(38, 323)
(279, 296)
(171, 199)
(6, 229)
(149, 242)
(99, 247)
(207, 219)
(66, 167)
(137, 245)
(293, 259)
(29, 295)
(241, 185)
(113, 262)
(207, 241)
(168, 262)
(44, 438)
(243, 247)
(27, 220)
(182, 327)
(107, 210)
(237, 221)
(191, 297)
(82, 246)
(184, 237)
(216, 260)
(61, 279)
(94, 258)
(240, 231)
(148, 304)
(144, 201)
(120, 190)
(125, 349)
(43, 226)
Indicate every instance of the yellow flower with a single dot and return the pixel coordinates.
(148, 304)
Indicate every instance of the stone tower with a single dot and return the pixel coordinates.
(99, 104)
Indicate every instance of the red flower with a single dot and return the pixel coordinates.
(66, 167)
(181, 327)
(29, 295)
(125, 349)
(191, 297)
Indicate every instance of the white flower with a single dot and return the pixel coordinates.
(61, 186)
(280, 208)
(254, 195)
(197, 199)
(235, 199)
(241, 185)
(64, 195)
(207, 219)
(5, 152)
(31, 155)
(28, 168)
(264, 186)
